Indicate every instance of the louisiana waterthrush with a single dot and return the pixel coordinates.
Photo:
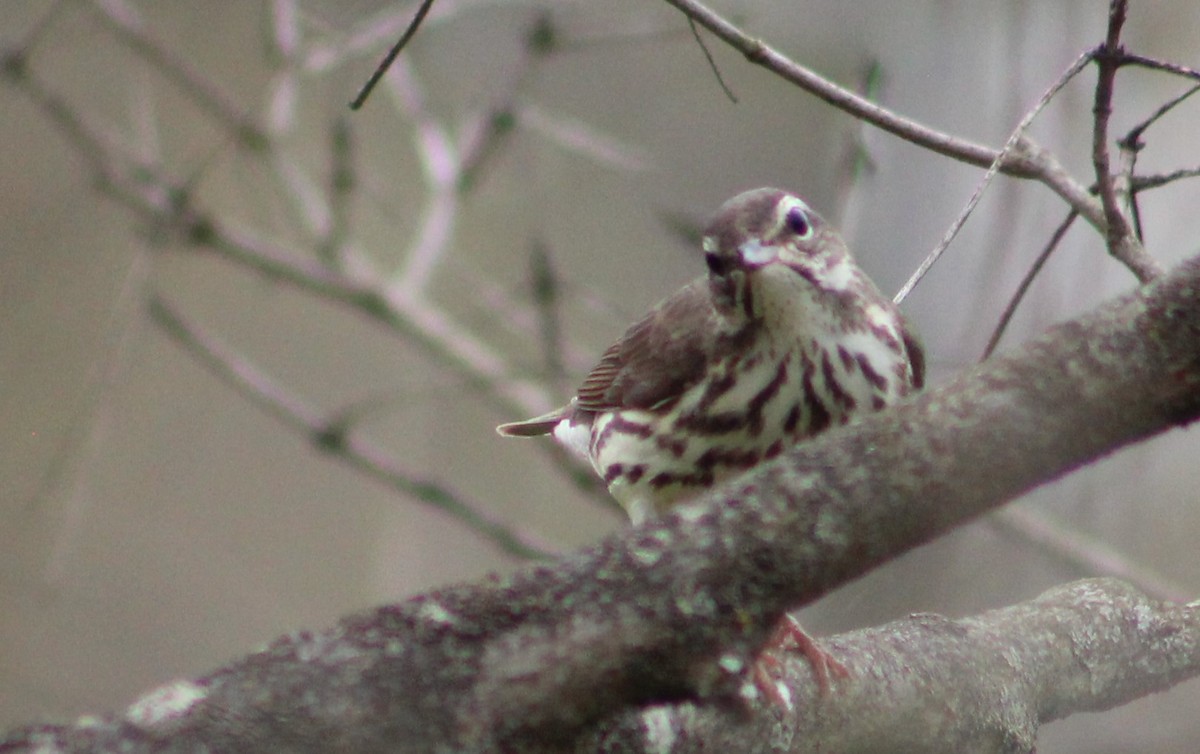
(782, 339)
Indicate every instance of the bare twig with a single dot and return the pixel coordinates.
(1020, 157)
(1122, 242)
(487, 136)
(1131, 145)
(1145, 182)
(581, 138)
(1134, 136)
(334, 435)
(366, 36)
(546, 289)
(124, 23)
(285, 29)
(1142, 61)
(483, 136)
(712, 64)
(1030, 161)
(1026, 281)
(1087, 555)
(164, 202)
(440, 163)
(1014, 140)
(388, 59)
(340, 192)
(102, 375)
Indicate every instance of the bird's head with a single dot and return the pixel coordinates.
(768, 239)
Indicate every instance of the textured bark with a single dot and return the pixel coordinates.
(675, 611)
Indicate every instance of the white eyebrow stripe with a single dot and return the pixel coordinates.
(786, 204)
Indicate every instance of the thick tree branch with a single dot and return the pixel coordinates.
(677, 610)
(930, 684)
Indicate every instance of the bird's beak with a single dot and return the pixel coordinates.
(755, 254)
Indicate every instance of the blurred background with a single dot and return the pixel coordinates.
(457, 254)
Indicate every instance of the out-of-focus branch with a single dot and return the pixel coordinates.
(333, 434)
(166, 203)
(1085, 554)
(342, 275)
(124, 22)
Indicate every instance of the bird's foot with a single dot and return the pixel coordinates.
(790, 636)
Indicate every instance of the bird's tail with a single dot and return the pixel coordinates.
(538, 425)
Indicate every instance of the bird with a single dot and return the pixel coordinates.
(784, 337)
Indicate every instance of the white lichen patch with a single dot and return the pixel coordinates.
(165, 704)
(697, 603)
(731, 664)
(649, 550)
(43, 743)
(830, 528)
(432, 611)
(660, 732)
(394, 647)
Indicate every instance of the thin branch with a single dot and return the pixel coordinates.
(546, 295)
(388, 59)
(1134, 136)
(440, 160)
(1122, 243)
(759, 53)
(165, 203)
(1015, 139)
(333, 436)
(340, 194)
(1145, 182)
(123, 22)
(581, 138)
(102, 375)
(712, 64)
(1029, 161)
(483, 136)
(1055, 239)
(1126, 58)
(1131, 145)
(1088, 556)
(373, 30)
(284, 35)
(487, 135)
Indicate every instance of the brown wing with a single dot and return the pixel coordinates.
(658, 358)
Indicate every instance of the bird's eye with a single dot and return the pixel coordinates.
(797, 222)
(717, 264)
